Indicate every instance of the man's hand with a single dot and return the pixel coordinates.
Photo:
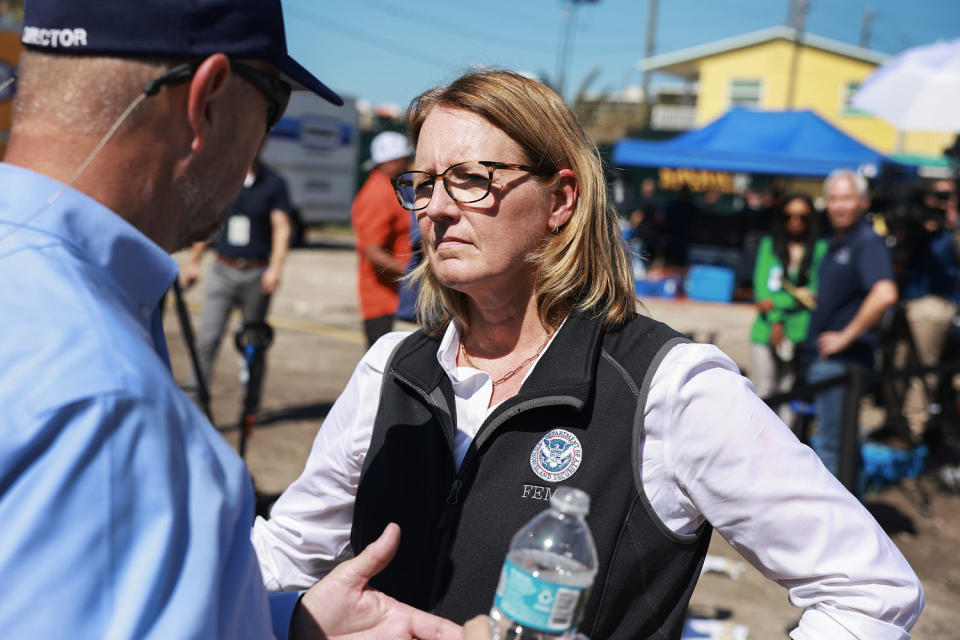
(831, 342)
(882, 294)
(776, 334)
(270, 280)
(191, 273)
(765, 305)
(342, 606)
(385, 262)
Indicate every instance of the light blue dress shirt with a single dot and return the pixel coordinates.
(123, 513)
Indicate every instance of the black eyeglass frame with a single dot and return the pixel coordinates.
(276, 90)
(491, 166)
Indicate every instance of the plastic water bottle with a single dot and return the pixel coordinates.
(547, 574)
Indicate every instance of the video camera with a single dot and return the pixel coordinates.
(910, 211)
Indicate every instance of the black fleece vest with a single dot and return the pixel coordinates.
(591, 383)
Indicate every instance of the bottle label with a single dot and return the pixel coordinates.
(537, 603)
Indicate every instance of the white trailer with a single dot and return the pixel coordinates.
(315, 147)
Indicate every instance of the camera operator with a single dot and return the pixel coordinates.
(929, 287)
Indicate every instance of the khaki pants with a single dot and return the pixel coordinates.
(771, 375)
(929, 319)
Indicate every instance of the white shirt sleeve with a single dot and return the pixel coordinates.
(308, 532)
(713, 450)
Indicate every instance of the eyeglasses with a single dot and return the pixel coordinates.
(465, 182)
(273, 88)
(276, 90)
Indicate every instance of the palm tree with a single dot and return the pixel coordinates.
(583, 105)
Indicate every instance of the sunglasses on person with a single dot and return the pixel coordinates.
(276, 91)
(464, 182)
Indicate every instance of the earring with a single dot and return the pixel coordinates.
(556, 227)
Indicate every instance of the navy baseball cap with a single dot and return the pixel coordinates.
(251, 29)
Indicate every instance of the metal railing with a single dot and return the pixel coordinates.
(856, 381)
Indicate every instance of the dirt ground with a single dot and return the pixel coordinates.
(318, 341)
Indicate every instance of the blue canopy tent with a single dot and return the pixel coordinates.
(789, 143)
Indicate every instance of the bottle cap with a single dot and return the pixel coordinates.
(571, 501)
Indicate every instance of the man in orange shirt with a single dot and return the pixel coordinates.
(382, 229)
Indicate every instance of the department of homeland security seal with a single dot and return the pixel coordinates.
(557, 456)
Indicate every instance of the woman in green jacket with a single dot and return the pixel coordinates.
(785, 280)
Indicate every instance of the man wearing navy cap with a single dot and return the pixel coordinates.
(125, 514)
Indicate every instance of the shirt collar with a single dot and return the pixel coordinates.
(450, 345)
(91, 231)
(447, 351)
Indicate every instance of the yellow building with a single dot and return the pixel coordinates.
(767, 69)
(10, 49)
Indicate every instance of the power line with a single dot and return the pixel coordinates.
(896, 39)
(947, 21)
(423, 19)
(325, 22)
(583, 29)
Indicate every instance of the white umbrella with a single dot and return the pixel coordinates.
(917, 90)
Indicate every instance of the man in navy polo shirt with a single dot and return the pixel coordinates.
(856, 288)
(250, 252)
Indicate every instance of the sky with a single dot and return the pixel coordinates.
(389, 51)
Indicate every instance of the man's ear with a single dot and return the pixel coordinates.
(565, 193)
(206, 87)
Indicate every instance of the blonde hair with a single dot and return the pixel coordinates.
(585, 265)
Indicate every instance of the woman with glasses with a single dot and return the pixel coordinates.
(532, 371)
(785, 280)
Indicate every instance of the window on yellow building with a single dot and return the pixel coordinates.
(745, 93)
(846, 108)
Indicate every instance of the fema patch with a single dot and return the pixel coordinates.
(557, 456)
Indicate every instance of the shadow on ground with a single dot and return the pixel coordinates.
(891, 519)
(316, 411)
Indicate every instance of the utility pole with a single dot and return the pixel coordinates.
(866, 27)
(564, 43)
(798, 13)
(650, 45)
(563, 55)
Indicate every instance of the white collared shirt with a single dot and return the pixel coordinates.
(711, 451)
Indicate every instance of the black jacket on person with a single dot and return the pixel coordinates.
(589, 390)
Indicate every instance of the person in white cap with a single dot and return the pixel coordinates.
(382, 229)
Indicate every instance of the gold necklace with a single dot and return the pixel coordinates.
(502, 379)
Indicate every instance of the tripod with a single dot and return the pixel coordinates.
(252, 341)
